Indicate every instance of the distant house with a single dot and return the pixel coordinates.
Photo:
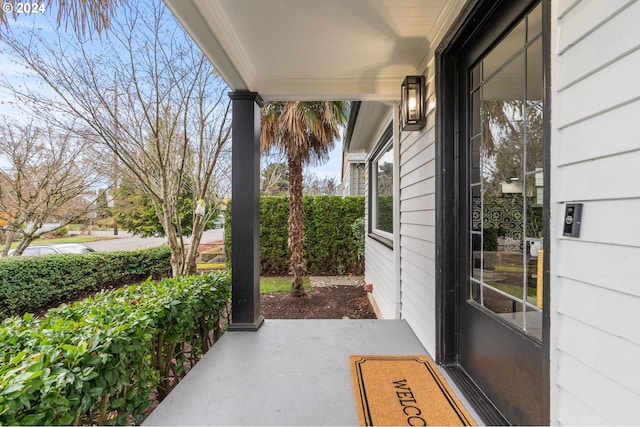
(353, 182)
(504, 229)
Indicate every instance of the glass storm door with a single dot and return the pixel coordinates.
(501, 306)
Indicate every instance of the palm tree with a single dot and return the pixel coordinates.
(305, 132)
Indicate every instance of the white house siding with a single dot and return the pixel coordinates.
(353, 181)
(417, 228)
(595, 155)
(379, 268)
(357, 179)
(347, 182)
(379, 258)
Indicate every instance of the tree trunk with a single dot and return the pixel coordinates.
(10, 236)
(296, 227)
(199, 223)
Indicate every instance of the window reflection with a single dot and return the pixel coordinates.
(506, 178)
(384, 190)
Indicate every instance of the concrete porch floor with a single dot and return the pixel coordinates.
(289, 372)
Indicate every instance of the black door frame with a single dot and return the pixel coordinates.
(449, 189)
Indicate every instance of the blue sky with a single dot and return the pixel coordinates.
(46, 22)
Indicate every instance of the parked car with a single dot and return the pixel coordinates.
(57, 248)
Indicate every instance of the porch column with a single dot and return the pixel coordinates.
(245, 218)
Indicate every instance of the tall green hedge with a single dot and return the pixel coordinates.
(96, 362)
(29, 283)
(330, 245)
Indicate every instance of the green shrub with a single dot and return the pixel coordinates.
(97, 361)
(330, 245)
(60, 232)
(358, 230)
(329, 242)
(29, 283)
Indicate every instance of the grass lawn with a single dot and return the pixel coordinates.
(211, 266)
(516, 291)
(70, 239)
(279, 284)
(267, 284)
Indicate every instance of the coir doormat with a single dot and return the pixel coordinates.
(404, 391)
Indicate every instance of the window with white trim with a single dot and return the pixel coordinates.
(381, 189)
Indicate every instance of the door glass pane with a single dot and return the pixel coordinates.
(501, 303)
(476, 153)
(534, 204)
(534, 139)
(506, 180)
(501, 54)
(476, 256)
(534, 73)
(476, 114)
(534, 23)
(534, 322)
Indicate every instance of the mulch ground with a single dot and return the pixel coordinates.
(328, 302)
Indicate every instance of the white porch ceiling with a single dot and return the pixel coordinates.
(315, 49)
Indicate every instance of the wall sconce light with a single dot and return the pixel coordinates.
(412, 103)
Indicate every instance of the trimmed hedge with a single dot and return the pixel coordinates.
(97, 361)
(330, 245)
(29, 283)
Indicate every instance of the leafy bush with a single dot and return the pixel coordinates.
(358, 228)
(329, 242)
(98, 360)
(330, 245)
(60, 232)
(29, 283)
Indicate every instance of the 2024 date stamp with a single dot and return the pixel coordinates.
(24, 8)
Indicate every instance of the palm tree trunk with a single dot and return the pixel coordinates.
(296, 227)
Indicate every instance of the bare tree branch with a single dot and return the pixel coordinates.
(148, 95)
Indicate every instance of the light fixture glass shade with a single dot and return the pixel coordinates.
(412, 103)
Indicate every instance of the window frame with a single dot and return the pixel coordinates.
(384, 144)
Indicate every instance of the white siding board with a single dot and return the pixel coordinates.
(416, 203)
(420, 246)
(417, 297)
(412, 163)
(380, 272)
(616, 268)
(576, 413)
(606, 178)
(609, 311)
(430, 185)
(586, 17)
(615, 222)
(413, 190)
(427, 217)
(421, 174)
(611, 133)
(597, 392)
(565, 6)
(612, 363)
(379, 266)
(595, 155)
(588, 97)
(417, 235)
(416, 272)
(424, 233)
(426, 264)
(411, 145)
(346, 182)
(596, 51)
